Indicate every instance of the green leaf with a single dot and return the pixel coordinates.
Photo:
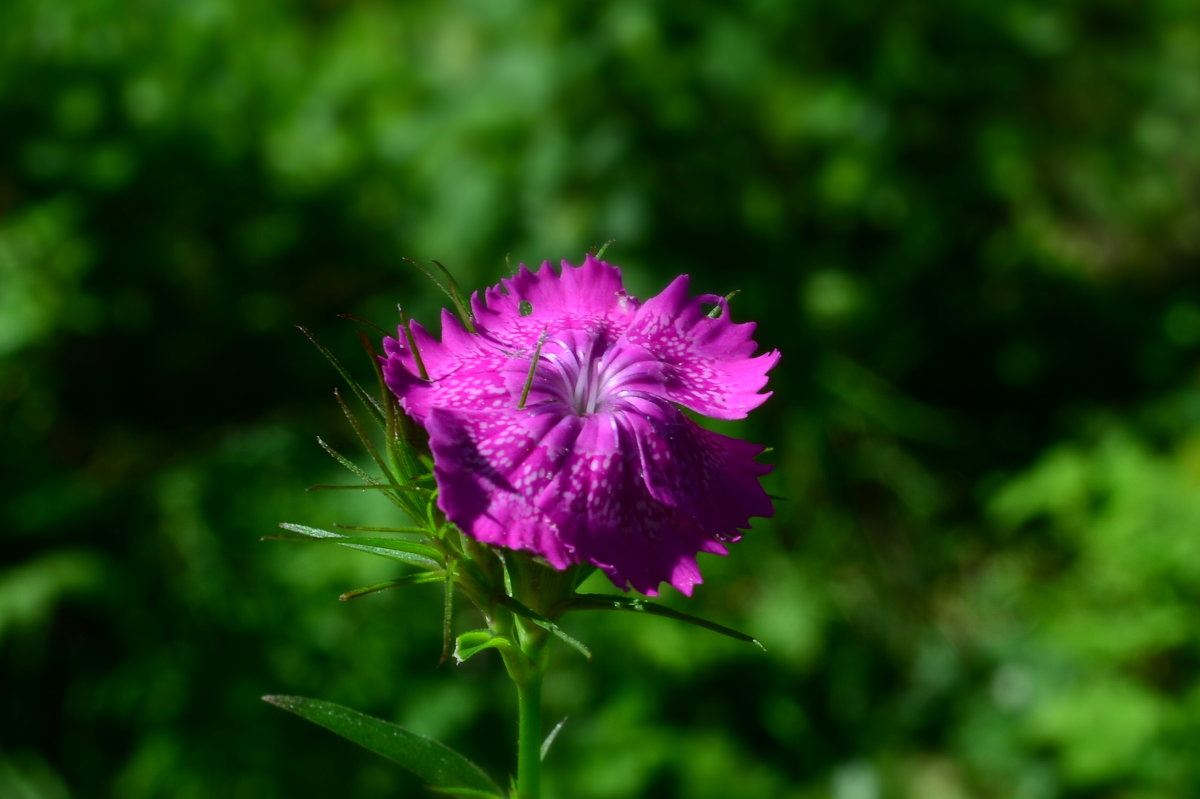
(406, 326)
(412, 552)
(346, 462)
(546, 744)
(447, 613)
(541, 621)
(472, 643)
(398, 492)
(438, 765)
(456, 297)
(369, 487)
(367, 400)
(365, 322)
(365, 529)
(408, 579)
(384, 466)
(450, 289)
(638, 605)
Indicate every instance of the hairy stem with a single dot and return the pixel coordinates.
(525, 663)
(529, 737)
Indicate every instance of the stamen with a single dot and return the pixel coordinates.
(585, 380)
(579, 374)
(596, 386)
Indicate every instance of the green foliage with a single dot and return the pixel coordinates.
(971, 227)
(507, 589)
(441, 768)
(635, 604)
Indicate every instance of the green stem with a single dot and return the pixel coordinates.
(529, 736)
(525, 664)
(542, 590)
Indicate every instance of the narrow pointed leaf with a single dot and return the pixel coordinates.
(350, 465)
(432, 278)
(367, 400)
(368, 445)
(399, 444)
(637, 605)
(464, 313)
(435, 763)
(398, 544)
(395, 491)
(406, 326)
(408, 579)
(546, 744)
(466, 793)
(391, 544)
(447, 615)
(424, 551)
(362, 320)
(541, 621)
(368, 529)
(403, 557)
(450, 289)
(368, 487)
(407, 551)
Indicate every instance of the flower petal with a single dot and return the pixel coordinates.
(465, 371)
(568, 488)
(708, 360)
(487, 466)
(597, 465)
(706, 476)
(521, 308)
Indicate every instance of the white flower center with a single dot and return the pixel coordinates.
(578, 371)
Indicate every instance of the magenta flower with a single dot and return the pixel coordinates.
(585, 456)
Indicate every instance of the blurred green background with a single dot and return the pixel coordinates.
(972, 227)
